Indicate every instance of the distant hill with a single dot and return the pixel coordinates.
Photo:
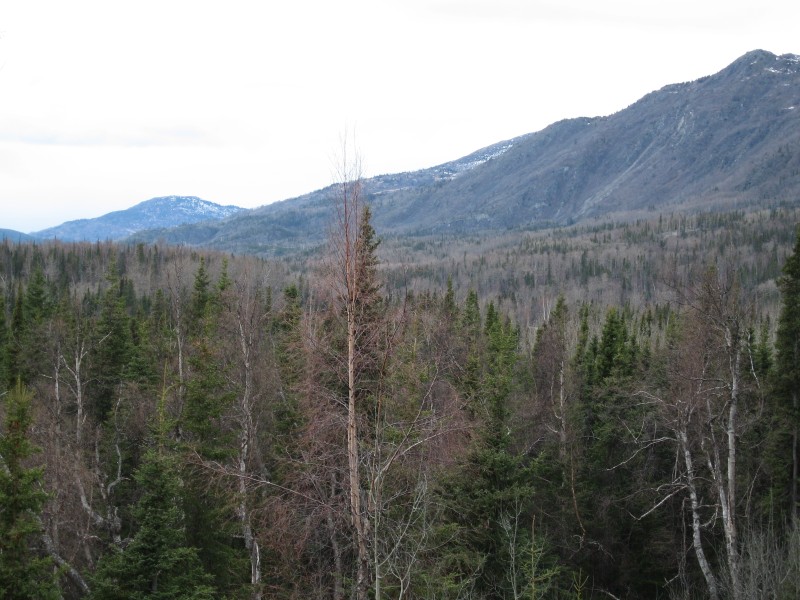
(727, 140)
(15, 236)
(167, 211)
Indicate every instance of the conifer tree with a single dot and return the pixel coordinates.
(112, 349)
(290, 362)
(209, 507)
(469, 380)
(201, 296)
(14, 349)
(158, 563)
(37, 301)
(787, 368)
(491, 492)
(23, 575)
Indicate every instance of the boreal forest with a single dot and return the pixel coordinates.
(604, 410)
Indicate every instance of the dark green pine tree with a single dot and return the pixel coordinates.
(201, 297)
(763, 360)
(15, 356)
(369, 330)
(158, 563)
(291, 364)
(29, 329)
(37, 299)
(209, 508)
(787, 380)
(469, 379)
(488, 499)
(618, 552)
(112, 349)
(449, 307)
(211, 525)
(23, 574)
(224, 281)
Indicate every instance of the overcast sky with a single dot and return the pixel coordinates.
(104, 103)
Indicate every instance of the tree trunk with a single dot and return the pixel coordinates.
(697, 542)
(338, 589)
(353, 459)
(729, 503)
(247, 437)
(795, 508)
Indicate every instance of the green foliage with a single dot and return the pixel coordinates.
(112, 349)
(23, 574)
(488, 499)
(208, 396)
(291, 365)
(493, 450)
(15, 349)
(158, 563)
(201, 297)
(784, 435)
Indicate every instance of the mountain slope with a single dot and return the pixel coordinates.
(302, 222)
(727, 140)
(167, 211)
(15, 236)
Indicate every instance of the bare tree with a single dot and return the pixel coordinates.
(346, 274)
(244, 318)
(701, 408)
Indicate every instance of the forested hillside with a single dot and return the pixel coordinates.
(604, 411)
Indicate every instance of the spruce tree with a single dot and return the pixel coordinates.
(291, 364)
(787, 368)
(201, 297)
(23, 574)
(158, 563)
(15, 344)
(488, 499)
(112, 350)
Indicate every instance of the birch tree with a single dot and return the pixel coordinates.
(244, 319)
(702, 409)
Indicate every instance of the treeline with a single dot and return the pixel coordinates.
(185, 425)
(609, 263)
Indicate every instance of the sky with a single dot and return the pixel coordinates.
(105, 103)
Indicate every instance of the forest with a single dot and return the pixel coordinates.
(602, 411)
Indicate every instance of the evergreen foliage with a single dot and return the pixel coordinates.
(508, 446)
(112, 348)
(24, 574)
(157, 563)
(787, 378)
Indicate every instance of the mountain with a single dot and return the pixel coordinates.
(728, 140)
(15, 236)
(302, 222)
(167, 211)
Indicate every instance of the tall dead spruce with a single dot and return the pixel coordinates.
(347, 274)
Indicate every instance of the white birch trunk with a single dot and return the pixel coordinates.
(697, 542)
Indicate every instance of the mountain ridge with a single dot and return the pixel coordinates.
(156, 212)
(727, 140)
(15, 236)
